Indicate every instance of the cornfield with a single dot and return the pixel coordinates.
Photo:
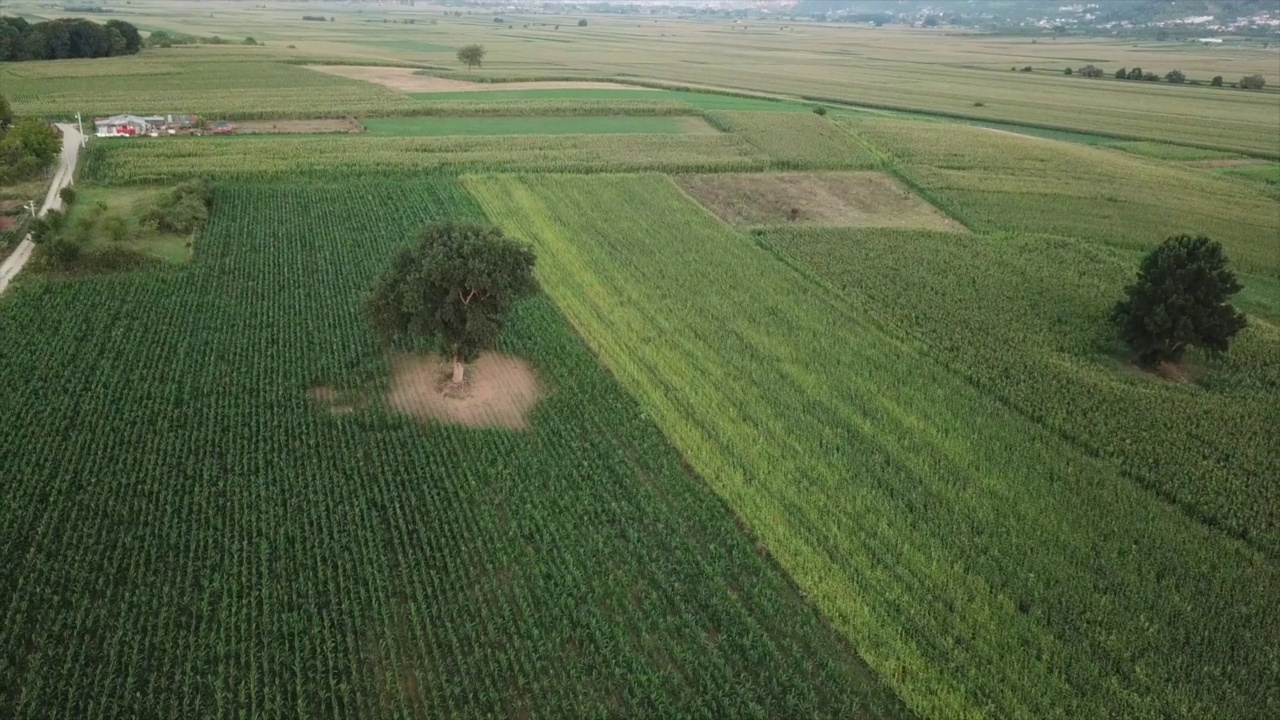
(186, 534)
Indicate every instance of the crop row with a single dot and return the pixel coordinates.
(982, 565)
(129, 162)
(186, 534)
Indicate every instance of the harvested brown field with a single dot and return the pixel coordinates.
(825, 199)
(405, 80)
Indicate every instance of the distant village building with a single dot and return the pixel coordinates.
(1210, 41)
(135, 125)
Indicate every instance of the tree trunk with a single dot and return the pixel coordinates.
(458, 370)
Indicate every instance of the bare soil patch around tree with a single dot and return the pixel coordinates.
(822, 199)
(407, 81)
(288, 127)
(499, 392)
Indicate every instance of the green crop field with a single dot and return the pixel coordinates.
(978, 561)
(255, 555)
(588, 125)
(829, 417)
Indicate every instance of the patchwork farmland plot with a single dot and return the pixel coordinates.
(997, 181)
(797, 141)
(819, 416)
(981, 564)
(837, 199)
(188, 535)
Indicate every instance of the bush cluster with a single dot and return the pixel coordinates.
(183, 210)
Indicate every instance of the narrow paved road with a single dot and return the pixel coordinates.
(66, 170)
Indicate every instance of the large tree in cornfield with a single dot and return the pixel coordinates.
(455, 285)
(1179, 301)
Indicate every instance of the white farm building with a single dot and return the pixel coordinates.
(135, 125)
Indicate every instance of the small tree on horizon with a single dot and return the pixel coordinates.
(1179, 301)
(1216, 81)
(456, 285)
(471, 55)
(1175, 76)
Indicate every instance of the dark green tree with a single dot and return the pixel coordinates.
(455, 285)
(1121, 74)
(582, 23)
(132, 38)
(1253, 82)
(1135, 74)
(471, 55)
(1179, 301)
(1216, 81)
(1175, 76)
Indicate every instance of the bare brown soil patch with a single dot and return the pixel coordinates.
(7, 221)
(826, 199)
(285, 127)
(404, 80)
(499, 391)
(1230, 162)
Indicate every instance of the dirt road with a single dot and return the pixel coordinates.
(66, 170)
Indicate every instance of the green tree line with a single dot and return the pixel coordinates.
(65, 38)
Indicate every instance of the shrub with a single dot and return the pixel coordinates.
(1068, 71)
(1216, 81)
(820, 110)
(582, 23)
(68, 195)
(1175, 76)
(1253, 82)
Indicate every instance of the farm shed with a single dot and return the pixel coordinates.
(120, 126)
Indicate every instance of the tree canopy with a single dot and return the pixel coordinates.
(1179, 301)
(471, 55)
(65, 38)
(26, 146)
(455, 285)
